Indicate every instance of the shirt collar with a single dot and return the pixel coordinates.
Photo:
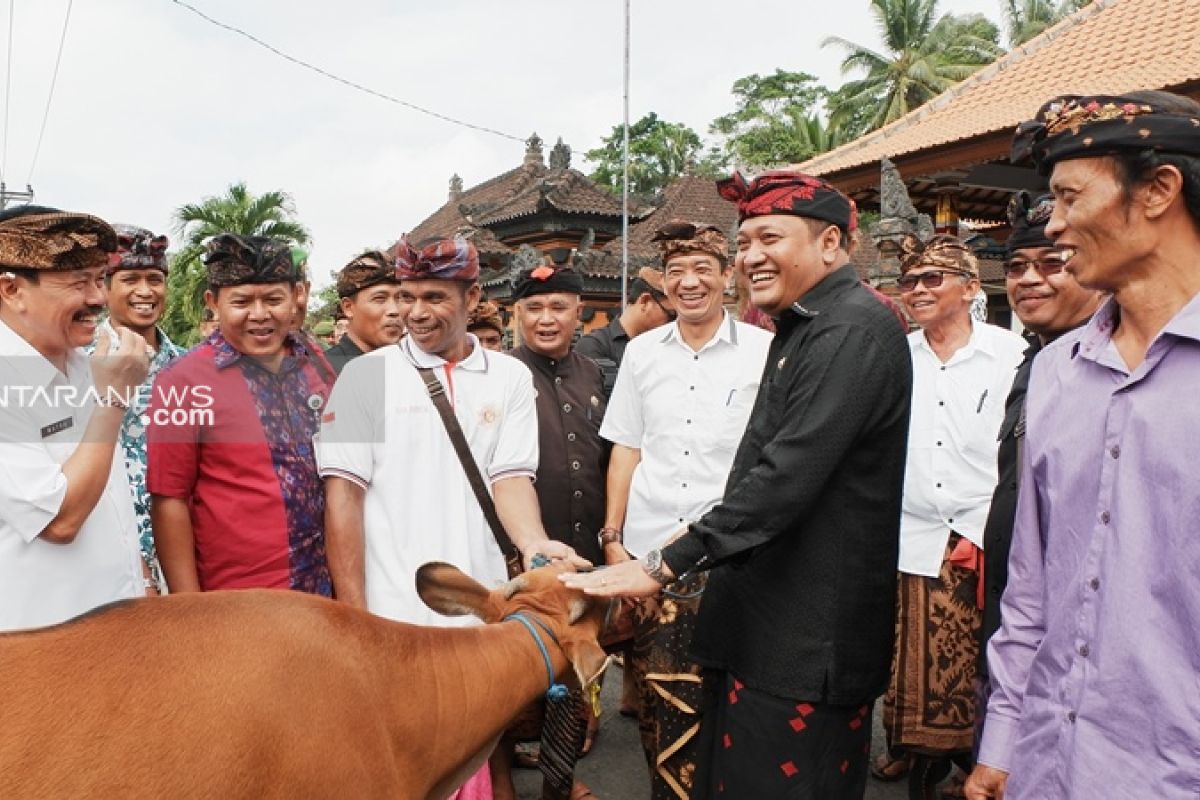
(616, 329)
(476, 361)
(226, 355)
(1097, 334)
(560, 366)
(820, 297)
(726, 332)
(35, 368)
(979, 341)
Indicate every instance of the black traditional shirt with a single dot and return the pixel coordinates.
(341, 353)
(572, 458)
(803, 548)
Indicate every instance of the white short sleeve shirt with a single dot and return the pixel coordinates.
(43, 414)
(686, 410)
(381, 430)
(950, 474)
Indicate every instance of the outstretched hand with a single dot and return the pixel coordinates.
(626, 579)
(551, 550)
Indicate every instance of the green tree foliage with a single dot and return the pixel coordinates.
(1025, 19)
(777, 120)
(659, 152)
(924, 55)
(239, 211)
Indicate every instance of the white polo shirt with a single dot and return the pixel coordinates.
(43, 415)
(686, 410)
(381, 430)
(957, 408)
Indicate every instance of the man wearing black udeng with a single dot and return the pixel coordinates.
(796, 623)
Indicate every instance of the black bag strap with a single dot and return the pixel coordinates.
(437, 394)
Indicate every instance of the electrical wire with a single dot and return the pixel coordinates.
(298, 62)
(50, 97)
(7, 89)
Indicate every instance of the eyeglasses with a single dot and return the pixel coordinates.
(1049, 265)
(670, 312)
(930, 280)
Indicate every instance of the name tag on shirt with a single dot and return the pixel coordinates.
(58, 427)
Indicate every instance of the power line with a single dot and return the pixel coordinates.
(7, 89)
(298, 62)
(50, 97)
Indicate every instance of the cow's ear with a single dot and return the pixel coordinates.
(587, 659)
(447, 590)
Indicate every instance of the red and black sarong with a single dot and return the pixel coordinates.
(756, 745)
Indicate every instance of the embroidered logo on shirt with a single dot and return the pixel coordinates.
(488, 415)
(782, 361)
(595, 401)
(58, 427)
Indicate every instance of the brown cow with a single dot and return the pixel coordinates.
(273, 694)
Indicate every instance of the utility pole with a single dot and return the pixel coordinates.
(8, 198)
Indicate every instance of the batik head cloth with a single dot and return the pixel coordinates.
(679, 236)
(486, 315)
(547, 279)
(444, 259)
(138, 248)
(1075, 126)
(789, 192)
(1028, 216)
(364, 270)
(233, 260)
(941, 252)
(34, 237)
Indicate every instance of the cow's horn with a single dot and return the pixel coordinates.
(515, 585)
(576, 608)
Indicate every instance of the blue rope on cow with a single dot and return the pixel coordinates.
(556, 691)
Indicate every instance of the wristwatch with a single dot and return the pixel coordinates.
(610, 536)
(653, 564)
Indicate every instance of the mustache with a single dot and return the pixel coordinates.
(90, 311)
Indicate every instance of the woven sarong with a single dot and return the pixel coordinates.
(669, 686)
(929, 707)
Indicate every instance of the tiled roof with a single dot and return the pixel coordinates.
(689, 198)
(567, 190)
(1107, 47)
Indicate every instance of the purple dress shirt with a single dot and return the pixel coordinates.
(1096, 667)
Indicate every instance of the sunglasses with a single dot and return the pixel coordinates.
(1049, 265)
(670, 313)
(930, 280)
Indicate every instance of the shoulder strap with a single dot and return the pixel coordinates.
(437, 394)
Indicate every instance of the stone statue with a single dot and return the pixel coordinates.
(560, 156)
(898, 217)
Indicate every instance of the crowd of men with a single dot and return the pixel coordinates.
(990, 531)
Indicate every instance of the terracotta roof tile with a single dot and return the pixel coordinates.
(1107, 47)
(690, 198)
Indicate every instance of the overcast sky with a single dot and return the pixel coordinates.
(156, 107)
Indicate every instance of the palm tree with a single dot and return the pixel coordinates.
(237, 211)
(924, 55)
(1026, 19)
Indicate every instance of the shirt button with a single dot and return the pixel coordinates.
(1071, 717)
(1094, 583)
(939, 444)
(691, 388)
(943, 369)
(681, 519)
(1084, 650)
(695, 358)
(578, 494)
(570, 437)
(689, 422)
(1105, 517)
(574, 465)
(687, 452)
(941, 403)
(950, 521)
(1115, 452)
(578, 525)
(685, 486)
(567, 407)
(939, 486)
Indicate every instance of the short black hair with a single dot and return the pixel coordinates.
(639, 287)
(1137, 166)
